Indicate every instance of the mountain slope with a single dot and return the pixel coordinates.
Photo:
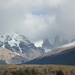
(20, 45)
(11, 57)
(62, 55)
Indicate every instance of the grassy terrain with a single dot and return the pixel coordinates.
(40, 68)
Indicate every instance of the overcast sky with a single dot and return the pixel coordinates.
(38, 19)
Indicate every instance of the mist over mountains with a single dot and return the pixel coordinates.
(56, 43)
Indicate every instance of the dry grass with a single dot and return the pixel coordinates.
(53, 67)
(40, 68)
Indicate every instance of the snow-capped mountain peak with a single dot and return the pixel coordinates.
(10, 36)
(20, 45)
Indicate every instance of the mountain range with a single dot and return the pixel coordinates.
(19, 46)
(57, 42)
(17, 49)
(64, 55)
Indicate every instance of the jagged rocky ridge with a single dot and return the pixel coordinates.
(64, 55)
(57, 42)
(46, 44)
(20, 45)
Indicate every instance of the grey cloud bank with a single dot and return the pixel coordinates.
(38, 19)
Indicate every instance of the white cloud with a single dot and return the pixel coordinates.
(37, 25)
(38, 19)
(5, 4)
(38, 44)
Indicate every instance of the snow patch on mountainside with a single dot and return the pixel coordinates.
(47, 50)
(38, 44)
(17, 53)
(68, 45)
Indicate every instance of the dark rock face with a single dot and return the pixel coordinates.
(16, 48)
(7, 46)
(23, 47)
(1, 43)
(46, 44)
(32, 46)
(57, 42)
(8, 38)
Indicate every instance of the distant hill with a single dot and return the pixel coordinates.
(9, 57)
(64, 55)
